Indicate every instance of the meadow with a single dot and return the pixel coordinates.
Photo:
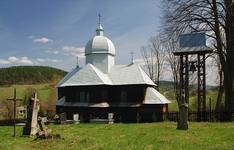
(147, 136)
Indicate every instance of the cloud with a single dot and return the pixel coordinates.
(74, 51)
(13, 59)
(25, 60)
(40, 59)
(52, 51)
(42, 40)
(16, 61)
(55, 52)
(43, 60)
(31, 37)
(4, 62)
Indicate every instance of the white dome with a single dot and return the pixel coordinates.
(100, 44)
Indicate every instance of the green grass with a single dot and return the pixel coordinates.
(209, 136)
(43, 90)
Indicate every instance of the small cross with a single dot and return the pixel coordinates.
(132, 56)
(99, 18)
(14, 99)
(77, 61)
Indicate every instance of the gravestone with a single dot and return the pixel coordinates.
(110, 118)
(31, 127)
(44, 131)
(76, 118)
(63, 118)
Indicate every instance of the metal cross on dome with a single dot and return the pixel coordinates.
(99, 18)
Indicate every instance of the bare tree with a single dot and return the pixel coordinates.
(154, 55)
(173, 61)
(214, 17)
(220, 81)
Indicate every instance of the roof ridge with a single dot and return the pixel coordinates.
(68, 76)
(143, 74)
(95, 70)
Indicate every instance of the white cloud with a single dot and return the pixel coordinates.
(44, 60)
(16, 61)
(40, 59)
(52, 60)
(4, 62)
(25, 60)
(74, 51)
(13, 59)
(55, 52)
(31, 37)
(52, 51)
(42, 40)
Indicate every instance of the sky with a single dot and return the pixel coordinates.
(54, 32)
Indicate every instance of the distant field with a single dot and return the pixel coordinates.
(151, 136)
(210, 95)
(43, 90)
(47, 95)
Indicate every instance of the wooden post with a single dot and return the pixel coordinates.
(184, 95)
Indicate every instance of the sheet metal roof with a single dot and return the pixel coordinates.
(154, 97)
(89, 75)
(193, 50)
(129, 74)
(119, 75)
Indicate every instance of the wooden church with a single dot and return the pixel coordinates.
(101, 87)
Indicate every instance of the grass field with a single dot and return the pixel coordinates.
(43, 90)
(200, 136)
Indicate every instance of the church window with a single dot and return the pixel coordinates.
(82, 96)
(87, 97)
(124, 96)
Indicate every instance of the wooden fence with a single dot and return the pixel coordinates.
(11, 122)
(211, 116)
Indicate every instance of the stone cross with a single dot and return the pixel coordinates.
(31, 127)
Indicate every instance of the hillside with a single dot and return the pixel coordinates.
(29, 75)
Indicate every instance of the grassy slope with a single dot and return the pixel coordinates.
(209, 136)
(43, 90)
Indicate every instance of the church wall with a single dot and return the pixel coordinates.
(104, 93)
(112, 95)
(145, 113)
